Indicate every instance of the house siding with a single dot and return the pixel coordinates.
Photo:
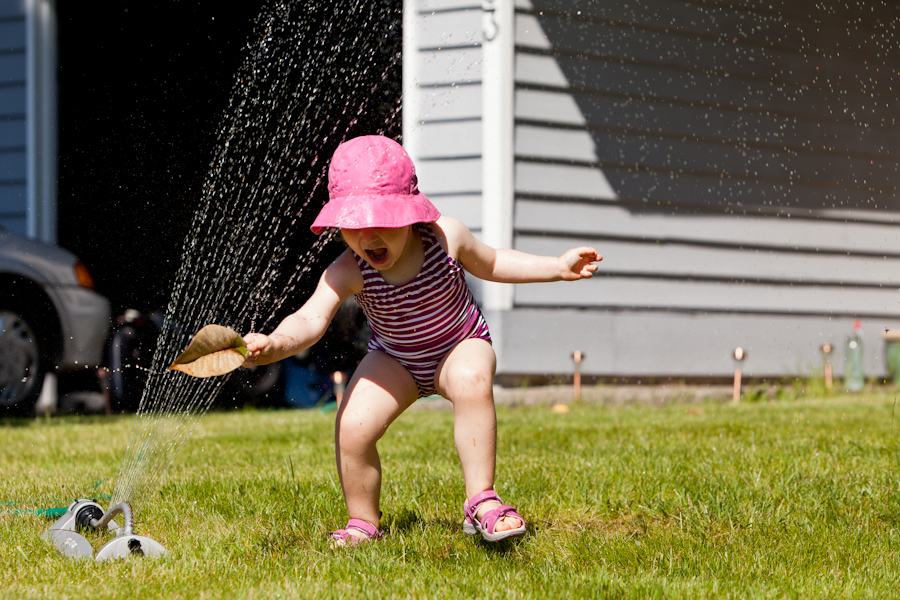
(731, 161)
(448, 114)
(13, 159)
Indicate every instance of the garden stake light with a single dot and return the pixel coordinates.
(739, 355)
(827, 349)
(577, 357)
(340, 385)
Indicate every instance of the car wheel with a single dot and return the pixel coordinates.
(21, 364)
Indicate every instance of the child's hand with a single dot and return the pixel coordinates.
(578, 263)
(257, 345)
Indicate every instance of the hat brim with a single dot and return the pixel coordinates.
(362, 212)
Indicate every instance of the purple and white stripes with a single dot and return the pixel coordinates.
(418, 322)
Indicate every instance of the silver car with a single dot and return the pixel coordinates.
(51, 319)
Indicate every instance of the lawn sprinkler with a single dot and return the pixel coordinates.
(83, 514)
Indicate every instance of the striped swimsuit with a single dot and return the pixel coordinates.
(418, 322)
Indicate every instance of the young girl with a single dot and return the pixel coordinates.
(405, 265)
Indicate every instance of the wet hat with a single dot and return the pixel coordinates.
(372, 183)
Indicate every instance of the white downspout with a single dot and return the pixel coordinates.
(412, 97)
(497, 139)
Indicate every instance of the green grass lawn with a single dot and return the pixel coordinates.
(797, 498)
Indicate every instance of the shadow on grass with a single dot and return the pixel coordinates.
(403, 521)
(407, 520)
(503, 547)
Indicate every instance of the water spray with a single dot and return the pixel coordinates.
(215, 350)
(309, 81)
(85, 514)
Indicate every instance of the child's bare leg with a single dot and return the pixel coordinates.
(381, 389)
(466, 378)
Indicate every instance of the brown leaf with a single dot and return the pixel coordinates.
(215, 350)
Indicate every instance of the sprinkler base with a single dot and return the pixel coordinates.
(83, 514)
(129, 545)
(69, 543)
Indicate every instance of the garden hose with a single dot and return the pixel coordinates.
(54, 512)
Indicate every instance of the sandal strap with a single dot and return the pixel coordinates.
(490, 518)
(472, 504)
(367, 529)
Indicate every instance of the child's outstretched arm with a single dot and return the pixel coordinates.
(305, 327)
(512, 266)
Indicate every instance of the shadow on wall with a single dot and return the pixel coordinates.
(705, 107)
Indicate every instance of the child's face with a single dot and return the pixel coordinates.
(381, 247)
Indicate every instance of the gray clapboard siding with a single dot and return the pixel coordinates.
(456, 27)
(448, 103)
(729, 264)
(12, 133)
(548, 106)
(449, 177)
(529, 32)
(859, 216)
(673, 188)
(11, 9)
(450, 66)
(12, 165)
(731, 161)
(720, 280)
(681, 140)
(12, 197)
(12, 205)
(12, 35)
(449, 107)
(456, 138)
(429, 7)
(12, 116)
(563, 180)
(605, 39)
(12, 104)
(650, 344)
(661, 114)
(809, 235)
(781, 107)
(553, 143)
(749, 161)
(539, 70)
(12, 69)
(465, 207)
(612, 292)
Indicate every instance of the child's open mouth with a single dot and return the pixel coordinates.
(377, 255)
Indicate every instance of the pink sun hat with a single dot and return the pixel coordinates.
(372, 183)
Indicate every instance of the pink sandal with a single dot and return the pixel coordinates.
(343, 537)
(485, 527)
